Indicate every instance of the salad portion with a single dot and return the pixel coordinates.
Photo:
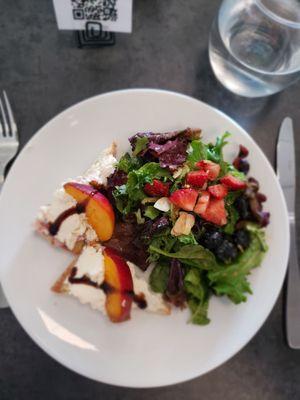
(171, 223)
(198, 218)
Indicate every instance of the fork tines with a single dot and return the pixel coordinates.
(8, 127)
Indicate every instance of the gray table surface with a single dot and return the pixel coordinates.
(44, 73)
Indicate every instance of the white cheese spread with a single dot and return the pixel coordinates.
(91, 263)
(76, 226)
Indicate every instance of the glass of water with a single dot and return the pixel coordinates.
(254, 46)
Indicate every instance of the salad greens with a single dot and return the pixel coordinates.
(159, 277)
(128, 163)
(140, 144)
(190, 254)
(232, 280)
(197, 296)
(128, 196)
(151, 212)
(217, 255)
(206, 273)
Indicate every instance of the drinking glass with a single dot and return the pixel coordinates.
(254, 45)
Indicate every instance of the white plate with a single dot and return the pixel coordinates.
(148, 350)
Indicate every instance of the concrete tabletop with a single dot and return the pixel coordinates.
(44, 72)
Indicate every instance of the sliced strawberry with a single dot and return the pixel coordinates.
(218, 191)
(210, 167)
(184, 198)
(157, 188)
(233, 183)
(202, 202)
(215, 212)
(197, 178)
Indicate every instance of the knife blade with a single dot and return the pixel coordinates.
(286, 171)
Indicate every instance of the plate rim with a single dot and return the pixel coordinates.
(55, 354)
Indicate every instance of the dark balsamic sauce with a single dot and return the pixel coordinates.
(84, 279)
(106, 288)
(78, 209)
(139, 299)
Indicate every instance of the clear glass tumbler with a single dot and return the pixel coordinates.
(254, 46)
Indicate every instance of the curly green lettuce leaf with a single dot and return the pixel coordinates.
(199, 311)
(232, 218)
(236, 173)
(187, 239)
(179, 180)
(232, 280)
(193, 255)
(121, 199)
(140, 144)
(197, 151)
(129, 196)
(215, 151)
(128, 163)
(227, 168)
(232, 213)
(152, 170)
(231, 197)
(197, 296)
(159, 277)
(162, 241)
(151, 212)
(256, 230)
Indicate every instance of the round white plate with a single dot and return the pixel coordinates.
(149, 350)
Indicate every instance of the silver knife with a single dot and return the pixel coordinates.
(286, 171)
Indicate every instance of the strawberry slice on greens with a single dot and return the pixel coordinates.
(184, 199)
(233, 183)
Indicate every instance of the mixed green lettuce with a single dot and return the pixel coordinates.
(129, 195)
(204, 274)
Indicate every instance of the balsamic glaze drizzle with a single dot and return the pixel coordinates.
(78, 209)
(139, 299)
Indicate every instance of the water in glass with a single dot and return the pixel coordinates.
(254, 46)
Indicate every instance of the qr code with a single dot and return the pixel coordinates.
(95, 10)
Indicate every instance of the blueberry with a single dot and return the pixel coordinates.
(242, 165)
(212, 239)
(241, 238)
(242, 207)
(226, 252)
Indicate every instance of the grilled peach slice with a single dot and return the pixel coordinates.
(99, 212)
(118, 279)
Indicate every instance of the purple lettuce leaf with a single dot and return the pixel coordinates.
(161, 138)
(175, 286)
(169, 149)
(172, 154)
(127, 241)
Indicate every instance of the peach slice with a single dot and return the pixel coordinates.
(99, 211)
(79, 191)
(117, 273)
(118, 279)
(118, 306)
(100, 215)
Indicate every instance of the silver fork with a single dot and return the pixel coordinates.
(9, 144)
